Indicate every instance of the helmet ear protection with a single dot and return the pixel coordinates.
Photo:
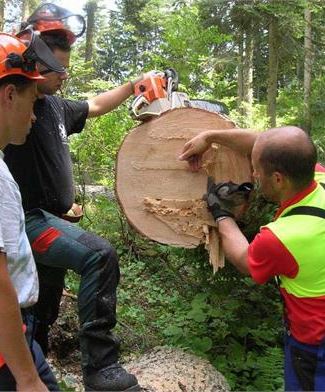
(14, 60)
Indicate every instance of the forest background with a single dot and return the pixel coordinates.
(265, 61)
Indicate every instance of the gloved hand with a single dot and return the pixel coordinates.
(224, 198)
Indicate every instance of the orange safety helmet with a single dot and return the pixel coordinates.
(18, 56)
(12, 61)
(52, 18)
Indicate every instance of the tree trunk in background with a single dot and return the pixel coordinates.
(2, 14)
(308, 61)
(24, 10)
(273, 71)
(240, 72)
(27, 7)
(91, 8)
(248, 76)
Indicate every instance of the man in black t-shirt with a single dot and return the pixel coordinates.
(43, 169)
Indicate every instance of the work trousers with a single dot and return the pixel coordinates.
(59, 245)
(7, 381)
(304, 368)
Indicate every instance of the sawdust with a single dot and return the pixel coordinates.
(183, 216)
(192, 218)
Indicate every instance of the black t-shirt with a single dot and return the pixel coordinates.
(42, 166)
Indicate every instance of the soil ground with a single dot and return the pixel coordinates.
(64, 355)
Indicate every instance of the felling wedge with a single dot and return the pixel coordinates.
(160, 197)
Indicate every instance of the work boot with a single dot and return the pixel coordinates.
(111, 378)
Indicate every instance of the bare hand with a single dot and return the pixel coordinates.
(193, 151)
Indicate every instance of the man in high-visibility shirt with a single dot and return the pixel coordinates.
(284, 162)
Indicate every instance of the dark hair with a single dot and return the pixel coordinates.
(296, 162)
(56, 40)
(19, 81)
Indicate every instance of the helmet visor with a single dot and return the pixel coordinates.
(54, 17)
(38, 51)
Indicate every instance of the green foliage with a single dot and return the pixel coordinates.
(269, 365)
(94, 150)
(72, 281)
(191, 53)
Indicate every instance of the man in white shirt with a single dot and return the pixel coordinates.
(22, 368)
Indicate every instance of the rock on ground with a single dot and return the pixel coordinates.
(167, 369)
(94, 191)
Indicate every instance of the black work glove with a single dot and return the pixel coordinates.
(222, 198)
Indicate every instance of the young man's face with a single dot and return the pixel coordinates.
(54, 80)
(20, 113)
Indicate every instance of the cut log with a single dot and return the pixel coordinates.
(160, 196)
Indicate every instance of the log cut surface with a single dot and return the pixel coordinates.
(160, 196)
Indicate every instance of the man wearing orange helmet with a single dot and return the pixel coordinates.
(22, 363)
(43, 169)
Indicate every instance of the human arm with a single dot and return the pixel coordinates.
(109, 100)
(241, 140)
(265, 256)
(262, 259)
(234, 244)
(225, 201)
(13, 345)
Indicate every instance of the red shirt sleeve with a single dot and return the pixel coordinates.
(319, 168)
(268, 257)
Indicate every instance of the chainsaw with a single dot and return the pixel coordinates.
(156, 95)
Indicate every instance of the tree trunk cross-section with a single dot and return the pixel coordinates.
(160, 196)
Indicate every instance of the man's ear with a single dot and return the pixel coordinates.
(279, 179)
(9, 93)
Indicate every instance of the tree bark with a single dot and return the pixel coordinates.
(273, 71)
(248, 76)
(308, 62)
(2, 14)
(27, 7)
(24, 10)
(91, 8)
(240, 72)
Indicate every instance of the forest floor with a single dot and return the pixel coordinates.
(64, 354)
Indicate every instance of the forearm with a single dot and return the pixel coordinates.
(108, 101)
(234, 244)
(238, 139)
(13, 345)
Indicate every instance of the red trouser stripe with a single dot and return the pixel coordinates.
(45, 240)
